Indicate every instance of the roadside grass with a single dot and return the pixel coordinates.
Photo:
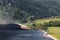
(45, 20)
(41, 21)
(55, 32)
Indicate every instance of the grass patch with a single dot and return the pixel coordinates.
(45, 20)
(55, 32)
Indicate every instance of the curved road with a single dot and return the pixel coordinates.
(22, 35)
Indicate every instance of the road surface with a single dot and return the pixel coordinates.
(22, 35)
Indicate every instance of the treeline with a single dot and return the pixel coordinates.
(45, 25)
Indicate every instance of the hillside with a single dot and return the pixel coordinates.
(30, 10)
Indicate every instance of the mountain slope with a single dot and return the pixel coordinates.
(29, 10)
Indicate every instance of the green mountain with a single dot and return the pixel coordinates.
(30, 10)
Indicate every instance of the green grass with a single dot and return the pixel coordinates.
(45, 20)
(55, 32)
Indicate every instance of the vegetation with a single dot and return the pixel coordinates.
(45, 23)
(52, 26)
(54, 31)
(29, 10)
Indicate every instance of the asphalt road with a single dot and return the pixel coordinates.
(22, 35)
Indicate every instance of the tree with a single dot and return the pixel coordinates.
(45, 26)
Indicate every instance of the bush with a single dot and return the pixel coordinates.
(54, 23)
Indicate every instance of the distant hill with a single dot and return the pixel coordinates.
(30, 10)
